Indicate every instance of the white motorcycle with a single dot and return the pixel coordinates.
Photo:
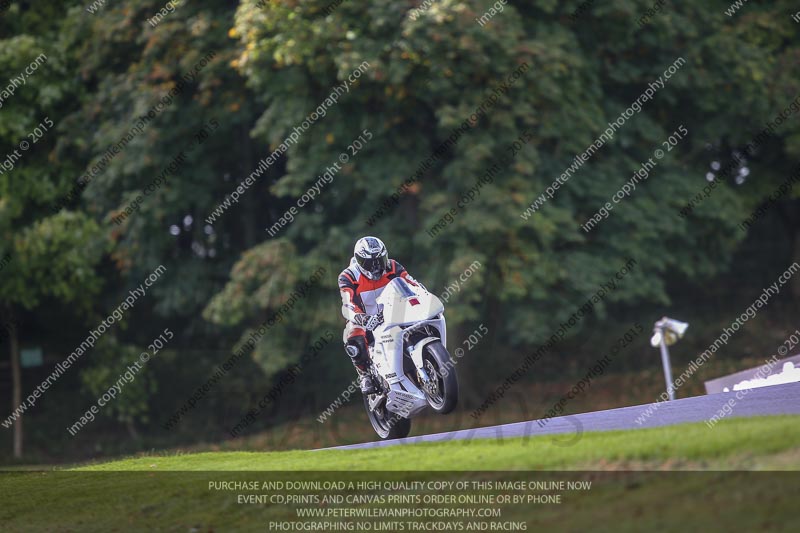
(411, 366)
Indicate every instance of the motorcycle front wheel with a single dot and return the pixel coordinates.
(442, 390)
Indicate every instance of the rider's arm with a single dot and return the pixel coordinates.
(350, 302)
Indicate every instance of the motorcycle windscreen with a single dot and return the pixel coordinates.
(403, 304)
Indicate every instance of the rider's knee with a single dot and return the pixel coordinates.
(356, 348)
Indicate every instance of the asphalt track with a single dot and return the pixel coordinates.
(773, 400)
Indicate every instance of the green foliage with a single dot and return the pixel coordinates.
(263, 281)
(114, 362)
(427, 75)
(55, 257)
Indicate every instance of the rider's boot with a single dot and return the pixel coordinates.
(357, 350)
(366, 382)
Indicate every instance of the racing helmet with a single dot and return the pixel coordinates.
(371, 257)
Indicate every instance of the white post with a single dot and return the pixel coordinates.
(667, 367)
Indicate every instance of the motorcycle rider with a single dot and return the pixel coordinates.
(360, 284)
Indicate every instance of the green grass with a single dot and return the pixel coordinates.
(744, 443)
(172, 492)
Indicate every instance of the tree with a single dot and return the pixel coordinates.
(54, 257)
(428, 74)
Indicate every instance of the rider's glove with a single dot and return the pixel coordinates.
(369, 322)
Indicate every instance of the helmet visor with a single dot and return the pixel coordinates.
(374, 267)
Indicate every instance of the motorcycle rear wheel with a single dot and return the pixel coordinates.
(386, 424)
